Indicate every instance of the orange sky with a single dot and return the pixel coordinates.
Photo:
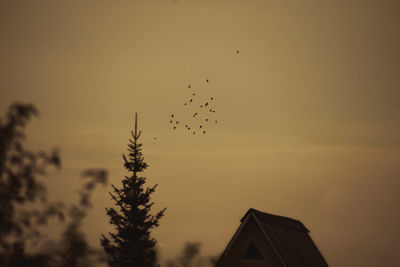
(308, 111)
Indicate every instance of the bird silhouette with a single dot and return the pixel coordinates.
(172, 115)
(201, 106)
(174, 127)
(191, 100)
(237, 51)
(204, 132)
(213, 111)
(206, 119)
(194, 132)
(211, 98)
(206, 104)
(185, 104)
(170, 121)
(177, 122)
(210, 110)
(189, 86)
(189, 129)
(200, 126)
(207, 81)
(194, 94)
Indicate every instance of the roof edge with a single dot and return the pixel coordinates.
(258, 214)
(268, 239)
(242, 223)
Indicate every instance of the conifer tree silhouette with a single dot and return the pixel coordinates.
(132, 245)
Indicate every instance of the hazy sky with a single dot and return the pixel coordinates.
(308, 111)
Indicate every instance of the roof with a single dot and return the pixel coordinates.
(281, 221)
(288, 237)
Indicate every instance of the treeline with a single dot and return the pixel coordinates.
(25, 209)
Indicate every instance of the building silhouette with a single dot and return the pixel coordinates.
(266, 240)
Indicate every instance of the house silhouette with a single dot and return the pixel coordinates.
(266, 240)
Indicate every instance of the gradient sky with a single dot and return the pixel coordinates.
(308, 111)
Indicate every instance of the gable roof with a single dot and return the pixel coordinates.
(288, 237)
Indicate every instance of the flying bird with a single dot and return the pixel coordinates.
(177, 122)
(206, 119)
(194, 132)
(170, 121)
(172, 115)
(174, 127)
(213, 111)
(194, 94)
(211, 98)
(189, 86)
(191, 100)
(201, 106)
(204, 132)
(207, 81)
(185, 104)
(200, 126)
(206, 104)
(237, 51)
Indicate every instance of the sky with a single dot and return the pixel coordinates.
(308, 111)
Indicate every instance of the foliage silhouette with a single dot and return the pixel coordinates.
(24, 207)
(191, 257)
(132, 245)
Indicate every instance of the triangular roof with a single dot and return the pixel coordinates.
(288, 238)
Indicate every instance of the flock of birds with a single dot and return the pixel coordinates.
(202, 113)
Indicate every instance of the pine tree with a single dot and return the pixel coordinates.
(132, 245)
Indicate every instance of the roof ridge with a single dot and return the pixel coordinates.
(272, 218)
